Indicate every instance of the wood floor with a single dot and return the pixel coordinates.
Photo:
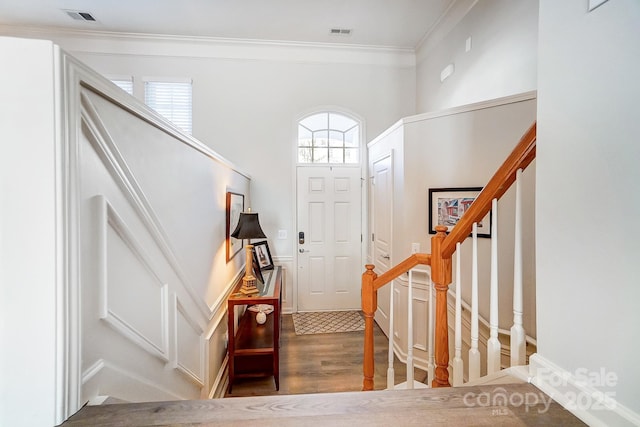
(323, 363)
(320, 383)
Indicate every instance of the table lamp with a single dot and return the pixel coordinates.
(248, 228)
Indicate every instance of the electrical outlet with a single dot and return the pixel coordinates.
(415, 248)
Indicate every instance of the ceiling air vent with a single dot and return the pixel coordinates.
(340, 31)
(80, 16)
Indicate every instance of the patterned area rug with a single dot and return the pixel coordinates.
(327, 322)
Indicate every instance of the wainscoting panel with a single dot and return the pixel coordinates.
(103, 375)
(399, 329)
(189, 346)
(153, 276)
(288, 297)
(127, 276)
(420, 307)
(420, 318)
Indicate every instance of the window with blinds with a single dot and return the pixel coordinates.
(172, 100)
(126, 85)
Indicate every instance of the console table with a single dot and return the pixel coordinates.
(253, 348)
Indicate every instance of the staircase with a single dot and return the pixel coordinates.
(440, 261)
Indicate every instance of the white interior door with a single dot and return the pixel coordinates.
(329, 238)
(382, 205)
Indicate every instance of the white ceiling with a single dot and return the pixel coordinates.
(389, 23)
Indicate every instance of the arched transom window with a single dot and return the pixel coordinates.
(328, 138)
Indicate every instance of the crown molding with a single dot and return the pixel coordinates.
(111, 43)
(452, 17)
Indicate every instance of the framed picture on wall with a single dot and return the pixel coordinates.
(447, 205)
(234, 206)
(263, 255)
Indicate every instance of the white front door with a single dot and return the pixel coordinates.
(329, 238)
(381, 215)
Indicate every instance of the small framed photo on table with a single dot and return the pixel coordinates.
(263, 255)
(257, 271)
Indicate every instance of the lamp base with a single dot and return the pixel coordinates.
(249, 286)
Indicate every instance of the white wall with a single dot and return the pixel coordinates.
(248, 97)
(465, 150)
(588, 202)
(28, 237)
(114, 275)
(461, 147)
(501, 62)
(153, 272)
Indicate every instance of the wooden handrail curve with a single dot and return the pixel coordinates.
(397, 270)
(521, 156)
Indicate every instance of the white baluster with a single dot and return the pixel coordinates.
(474, 354)
(390, 372)
(518, 337)
(458, 368)
(493, 344)
(410, 332)
(431, 364)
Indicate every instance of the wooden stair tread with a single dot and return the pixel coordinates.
(450, 406)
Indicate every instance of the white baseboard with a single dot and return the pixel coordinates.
(511, 375)
(221, 382)
(97, 400)
(106, 379)
(572, 391)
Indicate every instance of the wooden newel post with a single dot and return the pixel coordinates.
(441, 277)
(369, 307)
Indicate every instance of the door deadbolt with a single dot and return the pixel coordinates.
(301, 237)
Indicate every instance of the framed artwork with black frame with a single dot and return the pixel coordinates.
(234, 206)
(447, 205)
(263, 255)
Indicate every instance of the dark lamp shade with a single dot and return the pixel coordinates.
(248, 227)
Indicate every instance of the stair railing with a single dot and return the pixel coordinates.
(371, 282)
(443, 246)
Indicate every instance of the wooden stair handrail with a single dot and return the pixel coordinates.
(403, 267)
(442, 248)
(521, 156)
(370, 285)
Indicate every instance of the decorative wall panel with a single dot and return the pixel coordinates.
(190, 349)
(127, 277)
(420, 321)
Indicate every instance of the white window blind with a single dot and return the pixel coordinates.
(126, 85)
(172, 100)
